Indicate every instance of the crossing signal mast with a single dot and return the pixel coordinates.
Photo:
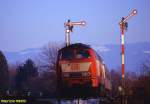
(69, 28)
(123, 27)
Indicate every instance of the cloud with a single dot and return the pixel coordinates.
(146, 52)
(29, 51)
(100, 48)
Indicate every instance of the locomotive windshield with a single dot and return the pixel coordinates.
(82, 54)
(67, 54)
(74, 54)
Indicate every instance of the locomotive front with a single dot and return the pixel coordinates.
(74, 66)
(79, 66)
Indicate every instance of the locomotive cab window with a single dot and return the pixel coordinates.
(67, 54)
(82, 54)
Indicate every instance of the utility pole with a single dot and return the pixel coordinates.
(69, 28)
(123, 27)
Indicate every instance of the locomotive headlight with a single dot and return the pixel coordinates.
(66, 74)
(85, 74)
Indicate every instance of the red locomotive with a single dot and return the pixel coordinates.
(78, 65)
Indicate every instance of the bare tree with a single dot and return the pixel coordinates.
(145, 68)
(48, 55)
(144, 78)
(47, 66)
(116, 81)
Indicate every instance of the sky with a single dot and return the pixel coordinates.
(33, 23)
